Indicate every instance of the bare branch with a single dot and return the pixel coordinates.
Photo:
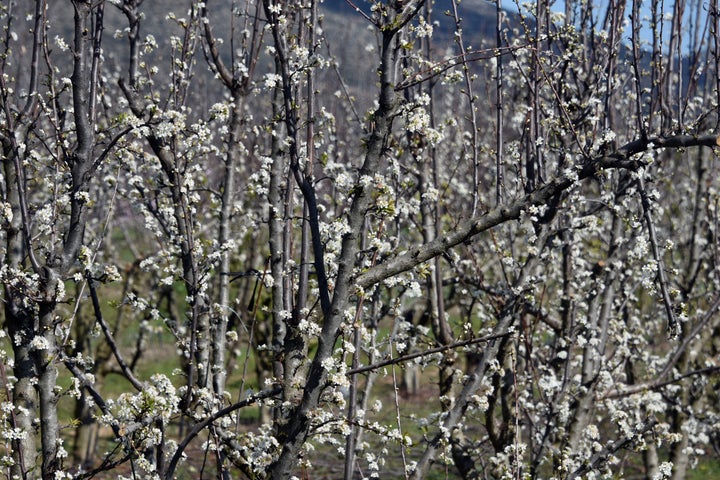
(38, 33)
(425, 353)
(108, 334)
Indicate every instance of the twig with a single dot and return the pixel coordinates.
(15, 443)
(71, 365)
(411, 356)
(659, 382)
(106, 465)
(460, 42)
(460, 59)
(602, 456)
(673, 328)
(108, 334)
(200, 426)
(358, 10)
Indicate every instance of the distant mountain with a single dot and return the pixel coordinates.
(351, 40)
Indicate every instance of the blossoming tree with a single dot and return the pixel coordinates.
(523, 224)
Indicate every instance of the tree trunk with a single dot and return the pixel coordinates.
(220, 318)
(650, 458)
(24, 398)
(47, 382)
(21, 329)
(85, 439)
(293, 435)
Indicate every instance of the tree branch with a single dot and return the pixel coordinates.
(424, 353)
(673, 328)
(200, 426)
(598, 459)
(108, 335)
(659, 382)
(621, 158)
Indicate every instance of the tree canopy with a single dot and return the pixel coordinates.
(361, 239)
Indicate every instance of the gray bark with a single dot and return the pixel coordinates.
(85, 67)
(47, 381)
(650, 457)
(21, 325)
(239, 89)
(31, 314)
(278, 250)
(220, 319)
(293, 435)
(597, 323)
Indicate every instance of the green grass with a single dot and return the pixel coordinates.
(707, 469)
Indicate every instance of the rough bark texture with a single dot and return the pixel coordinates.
(293, 435)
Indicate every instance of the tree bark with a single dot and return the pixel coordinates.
(220, 318)
(46, 385)
(21, 329)
(294, 434)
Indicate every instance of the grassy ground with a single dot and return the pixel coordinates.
(160, 356)
(707, 469)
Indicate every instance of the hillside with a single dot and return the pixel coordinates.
(349, 39)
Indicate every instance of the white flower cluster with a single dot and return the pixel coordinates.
(45, 219)
(6, 213)
(259, 181)
(257, 450)
(271, 80)
(149, 44)
(664, 471)
(423, 28)
(136, 415)
(172, 123)
(61, 43)
(417, 120)
(332, 234)
(23, 281)
(220, 111)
